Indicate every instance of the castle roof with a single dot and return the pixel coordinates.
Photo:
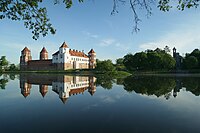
(25, 94)
(64, 45)
(91, 51)
(63, 99)
(56, 53)
(91, 92)
(26, 50)
(74, 53)
(77, 91)
(43, 50)
(77, 53)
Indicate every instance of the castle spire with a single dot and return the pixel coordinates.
(64, 45)
(43, 54)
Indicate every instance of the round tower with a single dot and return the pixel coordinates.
(92, 59)
(43, 54)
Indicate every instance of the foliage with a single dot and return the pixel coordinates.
(192, 85)
(128, 62)
(119, 61)
(35, 17)
(13, 67)
(120, 65)
(105, 66)
(192, 60)
(149, 85)
(3, 83)
(105, 81)
(156, 59)
(3, 62)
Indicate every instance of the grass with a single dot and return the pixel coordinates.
(83, 72)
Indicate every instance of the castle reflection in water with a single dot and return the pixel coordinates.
(63, 85)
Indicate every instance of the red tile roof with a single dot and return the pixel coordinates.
(26, 49)
(74, 53)
(91, 51)
(77, 91)
(64, 45)
(43, 50)
(77, 53)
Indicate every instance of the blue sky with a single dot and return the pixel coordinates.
(90, 25)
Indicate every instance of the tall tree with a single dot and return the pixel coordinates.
(129, 61)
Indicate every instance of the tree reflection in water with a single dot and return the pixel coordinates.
(145, 85)
(3, 81)
(161, 86)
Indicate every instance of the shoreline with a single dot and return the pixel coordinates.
(117, 73)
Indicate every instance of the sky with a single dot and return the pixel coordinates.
(90, 25)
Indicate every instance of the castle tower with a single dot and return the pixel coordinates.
(174, 52)
(43, 54)
(64, 48)
(25, 88)
(92, 59)
(43, 89)
(24, 58)
(63, 56)
(92, 86)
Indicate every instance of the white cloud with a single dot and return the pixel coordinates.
(107, 42)
(184, 39)
(113, 43)
(90, 35)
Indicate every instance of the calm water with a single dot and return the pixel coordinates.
(62, 103)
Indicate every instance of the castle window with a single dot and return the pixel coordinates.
(60, 56)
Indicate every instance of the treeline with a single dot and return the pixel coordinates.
(152, 60)
(6, 66)
(191, 60)
(157, 59)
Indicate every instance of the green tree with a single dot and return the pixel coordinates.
(3, 62)
(168, 62)
(140, 61)
(196, 53)
(128, 62)
(105, 66)
(3, 83)
(119, 61)
(119, 64)
(35, 17)
(154, 60)
(12, 67)
(190, 62)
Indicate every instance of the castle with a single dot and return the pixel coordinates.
(63, 59)
(64, 85)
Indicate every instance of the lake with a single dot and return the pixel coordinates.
(83, 104)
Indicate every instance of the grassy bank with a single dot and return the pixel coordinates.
(85, 72)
